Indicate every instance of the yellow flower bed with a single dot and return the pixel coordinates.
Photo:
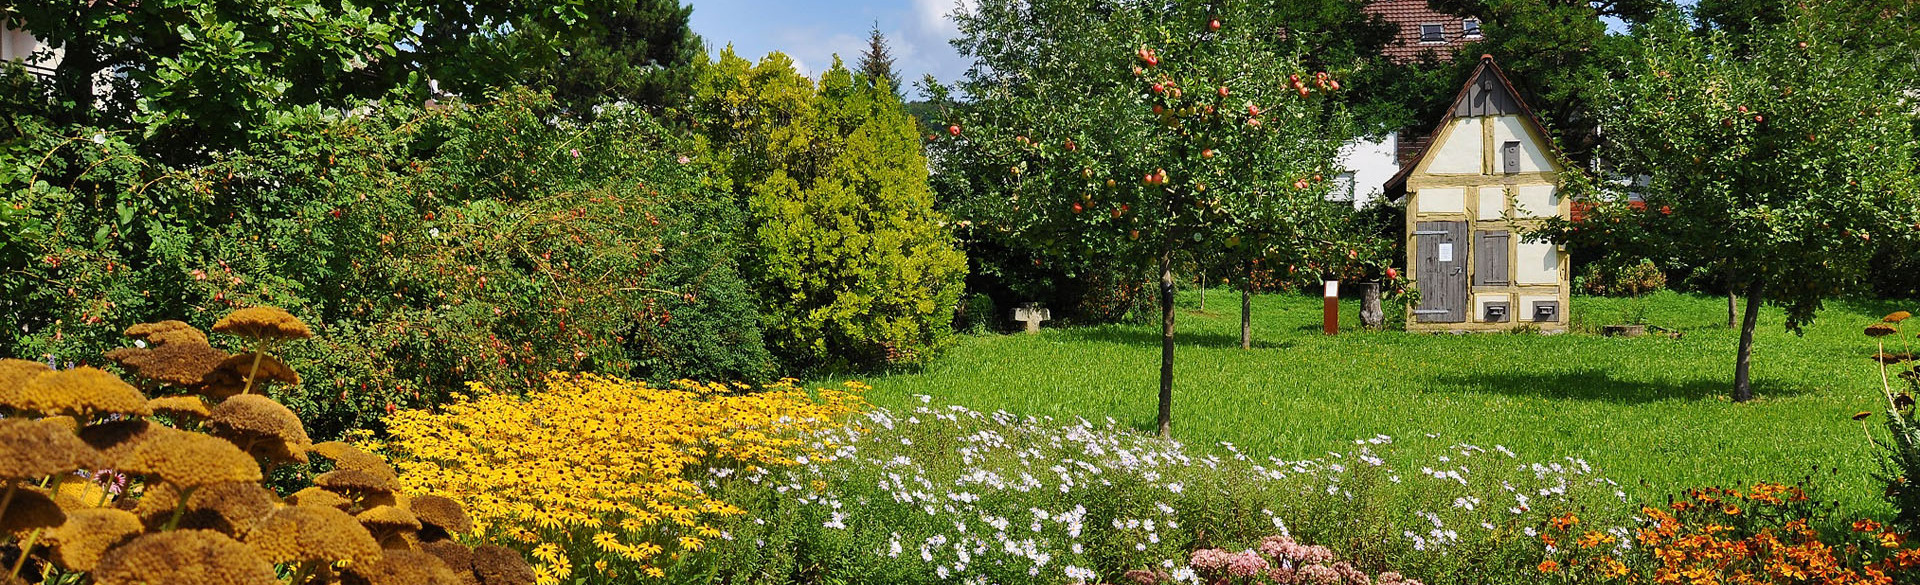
(593, 467)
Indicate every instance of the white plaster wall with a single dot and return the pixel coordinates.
(1538, 263)
(1533, 154)
(1536, 201)
(1451, 200)
(1461, 153)
(1372, 163)
(1480, 307)
(1493, 202)
(1524, 311)
(16, 45)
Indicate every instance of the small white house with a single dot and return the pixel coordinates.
(1491, 170)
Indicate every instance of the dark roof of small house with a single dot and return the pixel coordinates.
(1406, 16)
(1475, 99)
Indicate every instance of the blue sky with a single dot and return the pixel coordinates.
(811, 32)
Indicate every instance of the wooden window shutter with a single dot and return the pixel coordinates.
(1490, 266)
(1510, 157)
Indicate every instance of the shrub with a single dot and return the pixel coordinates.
(103, 485)
(492, 242)
(593, 471)
(1623, 278)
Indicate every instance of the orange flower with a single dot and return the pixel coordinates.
(1866, 525)
(1548, 566)
(1731, 510)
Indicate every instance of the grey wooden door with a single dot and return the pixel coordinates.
(1441, 248)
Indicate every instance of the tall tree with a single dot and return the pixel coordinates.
(854, 266)
(1216, 132)
(1782, 151)
(876, 65)
(193, 77)
(638, 52)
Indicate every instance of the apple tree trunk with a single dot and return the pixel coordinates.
(1246, 316)
(1733, 301)
(1372, 316)
(1166, 344)
(1742, 377)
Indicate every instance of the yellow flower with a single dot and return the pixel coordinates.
(594, 465)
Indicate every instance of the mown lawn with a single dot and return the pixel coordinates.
(1652, 412)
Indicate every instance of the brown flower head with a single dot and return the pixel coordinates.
(183, 363)
(401, 567)
(499, 565)
(312, 533)
(116, 440)
(231, 376)
(457, 557)
(1896, 317)
(166, 333)
(30, 509)
(182, 407)
(384, 520)
(263, 323)
(15, 373)
(261, 426)
(346, 456)
(33, 449)
(1862, 415)
(87, 534)
(1880, 330)
(439, 516)
(183, 557)
(191, 460)
(228, 508)
(314, 496)
(354, 481)
(80, 392)
(1891, 358)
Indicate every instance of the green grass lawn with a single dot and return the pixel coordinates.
(1651, 412)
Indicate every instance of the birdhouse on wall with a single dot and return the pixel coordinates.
(1489, 172)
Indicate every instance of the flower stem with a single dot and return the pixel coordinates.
(180, 509)
(259, 351)
(7, 500)
(24, 549)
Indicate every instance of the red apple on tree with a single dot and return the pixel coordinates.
(954, 130)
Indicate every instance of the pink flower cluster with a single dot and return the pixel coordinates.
(1284, 548)
(1292, 564)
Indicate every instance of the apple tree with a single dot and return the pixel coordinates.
(1780, 151)
(1140, 131)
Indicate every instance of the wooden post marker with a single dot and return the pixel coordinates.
(1032, 315)
(1330, 308)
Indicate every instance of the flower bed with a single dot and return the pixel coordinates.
(945, 493)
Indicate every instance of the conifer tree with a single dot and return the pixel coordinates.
(876, 65)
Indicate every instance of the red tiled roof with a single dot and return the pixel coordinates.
(1408, 15)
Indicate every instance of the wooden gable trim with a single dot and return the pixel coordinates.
(1397, 186)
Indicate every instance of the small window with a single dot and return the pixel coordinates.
(1432, 33)
(1470, 28)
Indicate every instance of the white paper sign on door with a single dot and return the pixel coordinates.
(1446, 252)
